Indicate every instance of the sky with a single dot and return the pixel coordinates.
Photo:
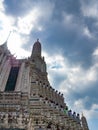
(67, 30)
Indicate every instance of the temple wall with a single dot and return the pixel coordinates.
(4, 75)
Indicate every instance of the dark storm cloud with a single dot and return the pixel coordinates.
(90, 22)
(18, 8)
(76, 46)
(67, 6)
(15, 7)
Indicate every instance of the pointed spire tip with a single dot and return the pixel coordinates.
(37, 39)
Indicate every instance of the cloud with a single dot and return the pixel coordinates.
(95, 52)
(87, 33)
(6, 26)
(89, 8)
(72, 22)
(22, 23)
(41, 20)
(19, 8)
(1, 5)
(15, 47)
(79, 85)
(56, 67)
(79, 80)
(32, 20)
(91, 113)
(15, 40)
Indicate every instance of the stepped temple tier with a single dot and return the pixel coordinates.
(27, 100)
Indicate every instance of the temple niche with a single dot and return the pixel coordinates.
(27, 100)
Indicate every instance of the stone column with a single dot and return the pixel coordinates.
(4, 75)
(2, 63)
(19, 79)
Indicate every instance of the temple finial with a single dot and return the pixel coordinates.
(4, 45)
(36, 51)
(82, 114)
(37, 39)
(8, 36)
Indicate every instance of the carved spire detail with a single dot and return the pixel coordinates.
(36, 49)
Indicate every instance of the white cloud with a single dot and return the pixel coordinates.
(71, 22)
(56, 66)
(23, 25)
(35, 18)
(90, 113)
(15, 47)
(15, 40)
(6, 26)
(95, 53)
(75, 78)
(27, 23)
(1, 5)
(90, 9)
(68, 18)
(95, 57)
(78, 80)
(87, 32)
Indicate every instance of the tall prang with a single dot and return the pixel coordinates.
(37, 58)
(27, 100)
(38, 63)
(36, 51)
